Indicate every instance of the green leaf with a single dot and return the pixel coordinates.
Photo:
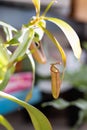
(26, 40)
(37, 6)
(8, 26)
(39, 120)
(70, 34)
(29, 95)
(4, 56)
(6, 78)
(8, 33)
(62, 104)
(4, 71)
(58, 104)
(78, 79)
(80, 103)
(54, 40)
(5, 123)
(15, 40)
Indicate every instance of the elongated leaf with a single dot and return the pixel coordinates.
(80, 103)
(39, 120)
(54, 40)
(15, 40)
(58, 104)
(29, 95)
(8, 26)
(6, 78)
(4, 56)
(8, 33)
(5, 123)
(5, 73)
(70, 34)
(62, 104)
(37, 6)
(23, 46)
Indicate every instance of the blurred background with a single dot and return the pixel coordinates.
(74, 86)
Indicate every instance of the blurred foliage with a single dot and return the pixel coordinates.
(78, 79)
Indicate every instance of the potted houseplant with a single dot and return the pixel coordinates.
(28, 43)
